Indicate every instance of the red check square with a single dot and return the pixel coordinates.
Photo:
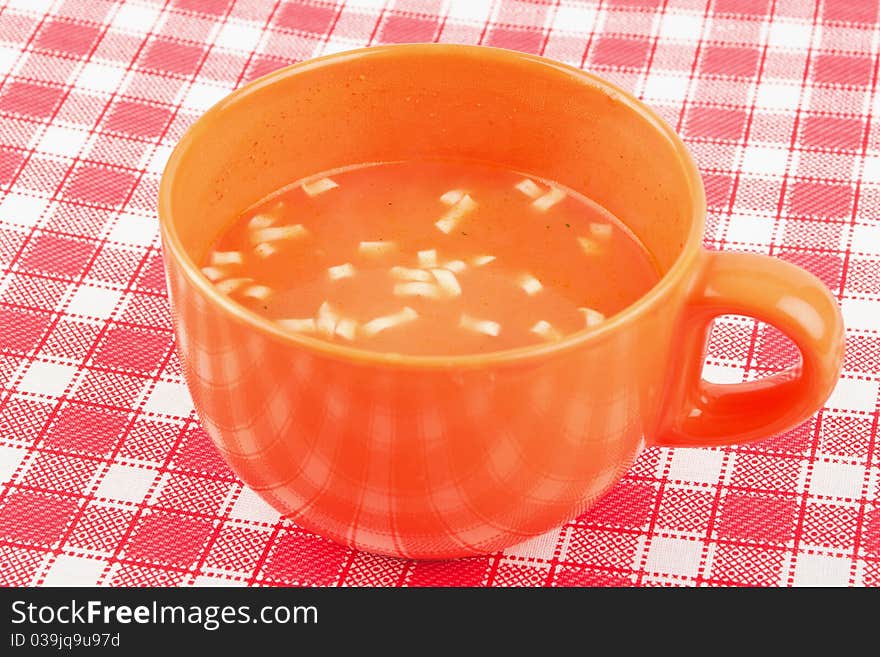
(31, 99)
(862, 11)
(100, 185)
(621, 51)
(168, 538)
(745, 7)
(35, 517)
(298, 557)
(757, 518)
(871, 534)
(524, 40)
(84, 428)
(843, 69)
(172, 57)
(731, 60)
(138, 119)
(129, 348)
(465, 572)
(833, 132)
(305, 17)
(52, 254)
(20, 330)
(197, 453)
(210, 7)
(10, 163)
(67, 37)
(716, 123)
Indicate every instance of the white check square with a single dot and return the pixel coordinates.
(169, 399)
(74, 571)
(125, 483)
(47, 378)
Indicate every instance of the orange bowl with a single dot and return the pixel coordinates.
(437, 457)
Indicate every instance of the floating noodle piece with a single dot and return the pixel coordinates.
(417, 289)
(588, 246)
(375, 248)
(452, 197)
(409, 274)
(319, 186)
(259, 221)
(227, 258)
(484, 326)
(592, 317)
(257, 292)
(455, 214)
(601, 231)
(427, 258)
(528, 187)
(546, 330)
(346, 328)
(230, 285)
(379, 324)
(479, 261)
(325, 323)
(306, 325)
(265, 249)
(345, 270)
(548, 200)
(447, 282)
(278, 233)
(456, 266)
(213, 274)
(530, 284)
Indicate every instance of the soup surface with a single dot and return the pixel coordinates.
(430, 257)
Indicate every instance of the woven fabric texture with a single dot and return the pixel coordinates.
(106, 476)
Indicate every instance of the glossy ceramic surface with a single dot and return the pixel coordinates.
(433, 457)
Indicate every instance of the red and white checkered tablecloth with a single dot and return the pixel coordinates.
(106, 476)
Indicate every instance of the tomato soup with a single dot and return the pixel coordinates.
(430, 258)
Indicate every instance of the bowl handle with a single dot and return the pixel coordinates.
(699, 413)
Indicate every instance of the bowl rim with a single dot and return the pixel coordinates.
(680, 268)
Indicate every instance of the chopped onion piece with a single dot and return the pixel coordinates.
(258, 292)
(276, 233)
(589, 246)
(417, 289)
(230, 285)
(601, 231)
(548, 200)
(545, 330)
(213, 274)
(592, 317)
(345, 328)
(479, 261)
(427, 258)
(409, 274)
(319, 186)
(452, 197)
(265, 249)
(447, 282)
(260, 221)
(457, 266)
(449, 221)
(484, 326)
(374, 326)
(326, 320)
(340, 271)
(528, 187)
(298, 325)
(375, 248)
(227, 258)
(530, 284)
